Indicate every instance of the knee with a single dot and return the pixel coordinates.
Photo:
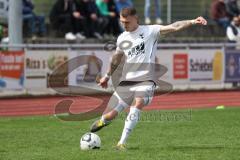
(139, 102)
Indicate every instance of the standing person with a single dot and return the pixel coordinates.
(157, 11)
(137, 45)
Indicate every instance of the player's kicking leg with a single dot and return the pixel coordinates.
(115, 106)
(104, 121)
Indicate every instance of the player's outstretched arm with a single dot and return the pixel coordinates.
(179, 25)
(116, 60)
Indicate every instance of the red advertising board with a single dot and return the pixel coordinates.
(12, 69)
(180, 66)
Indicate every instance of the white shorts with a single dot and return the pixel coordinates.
(126, 93)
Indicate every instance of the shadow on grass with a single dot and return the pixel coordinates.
(133, 148)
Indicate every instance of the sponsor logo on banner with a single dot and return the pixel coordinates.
(206, 65)
(180, 66)
(11, 69)
(176, 61)
(232, 66)
(40, 64)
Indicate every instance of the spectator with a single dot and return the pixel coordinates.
(1, 32)
(115, 26)
(232, 8)
(35, 23)
(96, 23)
(4, 34)
(68, 17)
(4, 39)
(108, 11)
(120, 4)
(233, 31)
(157, 11)
(219, 13)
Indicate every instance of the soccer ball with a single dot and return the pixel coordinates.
(90, 141)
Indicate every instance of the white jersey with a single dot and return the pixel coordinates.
(139, 48)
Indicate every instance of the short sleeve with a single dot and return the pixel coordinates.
(118, 48)
(155, 30)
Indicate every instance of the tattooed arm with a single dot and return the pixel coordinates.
(116, 60)
(177, 26)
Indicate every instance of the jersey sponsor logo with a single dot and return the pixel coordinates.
(137, 50)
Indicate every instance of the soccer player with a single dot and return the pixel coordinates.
(137, 45)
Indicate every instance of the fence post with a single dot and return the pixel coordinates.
(15, 22)
(169, 11)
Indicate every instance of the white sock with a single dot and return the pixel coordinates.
(130, 123)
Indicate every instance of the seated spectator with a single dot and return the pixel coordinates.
(120, 4)
(96, 23)
(35, 23)
(116, 29)
(4, 34)
(4, 38)
(65, 17)
(1, 32)
(157, 11)
(108, 11)
(232, 8)
(219, 13)
(233, 31)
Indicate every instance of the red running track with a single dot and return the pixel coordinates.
(183, 100)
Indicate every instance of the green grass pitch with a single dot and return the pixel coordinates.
(204, 134)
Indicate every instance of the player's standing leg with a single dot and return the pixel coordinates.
(144, 94)
(131, 121)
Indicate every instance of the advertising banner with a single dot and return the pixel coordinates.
(11, 69)
(40, 64)
(232, 65)
(206, 65)
(176, 62)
